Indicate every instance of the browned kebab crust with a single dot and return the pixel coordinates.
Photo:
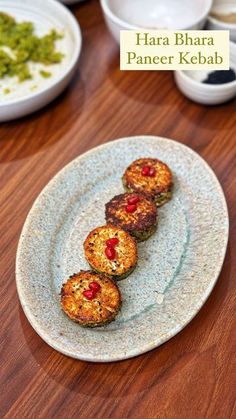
(138, 223)
(158, 187)
(126, 251)
(91, 313)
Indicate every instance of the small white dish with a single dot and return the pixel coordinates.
(223, 7)
(27, 97)
(68, 2)
(190, 84)
(152, 14)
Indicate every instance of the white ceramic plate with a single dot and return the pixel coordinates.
(177, 269)
(31, 95)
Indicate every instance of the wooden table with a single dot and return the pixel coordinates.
(191, 376)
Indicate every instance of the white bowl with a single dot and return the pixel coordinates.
(223, 7)
(153, 14)
(207, 94)
(68, 2)
(25, 98)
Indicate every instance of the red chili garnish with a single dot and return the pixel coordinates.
(112, 242)
(152, 172)
(131, 208)
(95, 287)
(145, 170)
(89, 294)
(110, 253)
(133, 200)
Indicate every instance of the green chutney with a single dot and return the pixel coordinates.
(19, 45)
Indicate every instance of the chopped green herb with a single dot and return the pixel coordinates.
(25, 47)
(45, 74)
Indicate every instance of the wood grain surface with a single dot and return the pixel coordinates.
(192, 375)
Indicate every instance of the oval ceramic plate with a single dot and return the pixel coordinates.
(177, 268)
(31, 95)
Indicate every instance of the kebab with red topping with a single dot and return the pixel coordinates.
(151, 177)
(111, 251)
(134, 213)
(91, 299)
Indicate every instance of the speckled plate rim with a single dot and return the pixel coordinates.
(172, 332)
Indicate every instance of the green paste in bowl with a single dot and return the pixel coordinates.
(19, 45)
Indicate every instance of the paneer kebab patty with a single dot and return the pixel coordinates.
(91, 299)
(134, 213)
(111, 251)
(151, 177)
